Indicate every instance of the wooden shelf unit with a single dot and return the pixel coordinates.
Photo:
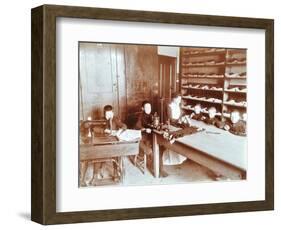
(202, 69)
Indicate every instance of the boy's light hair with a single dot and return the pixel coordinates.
(212, 109)
(236, 111)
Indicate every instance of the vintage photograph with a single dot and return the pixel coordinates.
(154, 114)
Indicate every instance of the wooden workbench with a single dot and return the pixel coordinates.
(104, 148)
(107, 148)
(214, 148)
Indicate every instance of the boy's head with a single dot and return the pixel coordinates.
(108, 112)
(176, 98)
(197, 109)
(146, 107)
(234, 116)
(212, 112)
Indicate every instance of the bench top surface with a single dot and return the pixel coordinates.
(218, 143)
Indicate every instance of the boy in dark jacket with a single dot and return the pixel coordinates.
(236, 125)
(212, 120)
(144, 123)
(197, 115)
(145, 119)
(113, 127)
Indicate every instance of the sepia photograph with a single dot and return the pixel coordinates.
(152, 115)
(145, 114)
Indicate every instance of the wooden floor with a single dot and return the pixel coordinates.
(187, 172)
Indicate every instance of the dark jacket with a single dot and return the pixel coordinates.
(238, 128)
(198, 117)
(214, 121)
(211, 121)
(144, 121)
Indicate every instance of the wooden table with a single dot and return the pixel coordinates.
(214, 148)
(102, 148)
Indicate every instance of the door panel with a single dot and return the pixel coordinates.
(167, 81)
(99, 76)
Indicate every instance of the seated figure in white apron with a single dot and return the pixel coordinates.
(175, 115)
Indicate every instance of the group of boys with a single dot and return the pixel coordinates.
(236, 124)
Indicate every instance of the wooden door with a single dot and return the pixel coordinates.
(101, 79)
(167, 81)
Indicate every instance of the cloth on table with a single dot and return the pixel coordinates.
(186, 130)
(130, 135)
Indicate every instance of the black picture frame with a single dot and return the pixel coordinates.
(43, 188)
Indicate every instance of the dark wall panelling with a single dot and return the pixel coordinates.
(142, 78)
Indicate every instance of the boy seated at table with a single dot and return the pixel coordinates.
(175, 114)
(211, 118)
(144, 123)
(237, 126)
(175, 117)
(145, 119)
(197, 115)
(113, 127)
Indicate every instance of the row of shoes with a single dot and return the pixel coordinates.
(206, 51)
(237, 89)
(205, 87)
(211, 99)
(216, 100)
(203, 63)
(235, 75)
(238, 103)
(205, 75)
(236, 61)
(214, 50)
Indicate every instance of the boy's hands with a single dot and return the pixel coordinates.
(185, 119)
(108, 131)
(148, 130)
(227, 127)
(113, 132)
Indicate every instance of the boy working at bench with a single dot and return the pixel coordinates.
(114, 127)
(144, 123)
(211, 119)
(175, 114)
(175, 117)
(197, 114)
(236, 126)
(145, 120)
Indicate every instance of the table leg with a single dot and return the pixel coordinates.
(155, 156)
(83, 169)
(123, 169)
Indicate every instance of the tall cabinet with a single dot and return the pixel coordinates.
(213, 77)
